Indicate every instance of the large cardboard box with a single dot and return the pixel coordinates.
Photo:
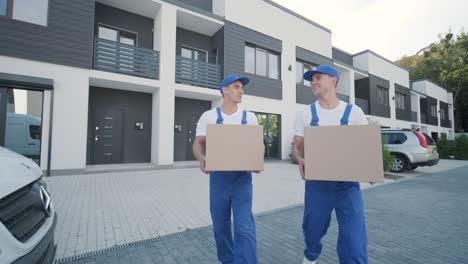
(234, 148)
(343, 153)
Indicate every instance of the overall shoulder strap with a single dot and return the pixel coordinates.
(244, 117)
(220, 120)
(314, 121)
(344, 120)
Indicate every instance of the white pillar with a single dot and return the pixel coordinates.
(162, 140)
(352, 96)
(288, 78)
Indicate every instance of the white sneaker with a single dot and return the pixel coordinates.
(306, 261)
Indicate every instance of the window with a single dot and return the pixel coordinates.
(442, 114)
(273, 65)
(262, 62)
(434, 110)
(301, 68)
(249, 60)
(382, 96)
(400, 101)
(3, 7)
(31, 11)
(35, 132)
(194, 54)
(117, 35)
(394, 138)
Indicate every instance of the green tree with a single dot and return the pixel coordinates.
(445, 63)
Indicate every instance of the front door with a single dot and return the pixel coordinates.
(187, 113)
(107, 143)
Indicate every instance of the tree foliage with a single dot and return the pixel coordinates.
(445, 63)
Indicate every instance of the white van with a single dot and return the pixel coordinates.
(23, 135)
(27, 216)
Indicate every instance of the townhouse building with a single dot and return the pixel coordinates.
(124, 82)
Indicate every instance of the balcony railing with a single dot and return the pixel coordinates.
(342, 97)
(197, 73)
(414, 116)
(117, 57)
(363, 104)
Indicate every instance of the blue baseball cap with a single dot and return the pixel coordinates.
(326, 69)
(232, 78)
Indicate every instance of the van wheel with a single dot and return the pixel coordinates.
(410, 167)
(398, 163)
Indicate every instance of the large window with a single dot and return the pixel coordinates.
(400, 101)
(301, 68)
(382, 95)
(271, 134)
(443, 114)
(32, 11)
(262, 62)
(21, 121)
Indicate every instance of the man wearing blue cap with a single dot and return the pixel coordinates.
(229, 190)
(321, 197)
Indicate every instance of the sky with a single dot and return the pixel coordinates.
(391, 28)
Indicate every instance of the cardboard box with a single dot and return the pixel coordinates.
(343, 153)
(234, 148)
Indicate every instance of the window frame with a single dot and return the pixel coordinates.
(119, 31)
(9, 14)
(192, 49)
(267, 61)
(398, 97)
(310, 66)
(383, 95)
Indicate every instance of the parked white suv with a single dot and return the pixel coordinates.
(27, 217)
(410, 149)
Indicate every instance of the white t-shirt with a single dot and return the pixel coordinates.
(210, 117)
(327, 117)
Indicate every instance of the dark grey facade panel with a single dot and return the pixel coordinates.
(341, 56)
(206, 5)
(120, 19)
(67, 39)
(195, 40)
(235, 38)
(217, 42)
(406, 113)
(28, 82)
(375, 108)
(253, 37)
(311, 57)
(362, 89)
(304, 94)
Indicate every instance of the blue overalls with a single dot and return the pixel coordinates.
(321, 197)
(233, 190)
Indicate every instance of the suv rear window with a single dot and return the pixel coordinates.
(394, 138)
(429, 140)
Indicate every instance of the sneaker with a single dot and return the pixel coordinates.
(306, 261)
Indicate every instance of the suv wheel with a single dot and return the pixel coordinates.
(398, 163)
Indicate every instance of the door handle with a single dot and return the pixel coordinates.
(31, 144)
